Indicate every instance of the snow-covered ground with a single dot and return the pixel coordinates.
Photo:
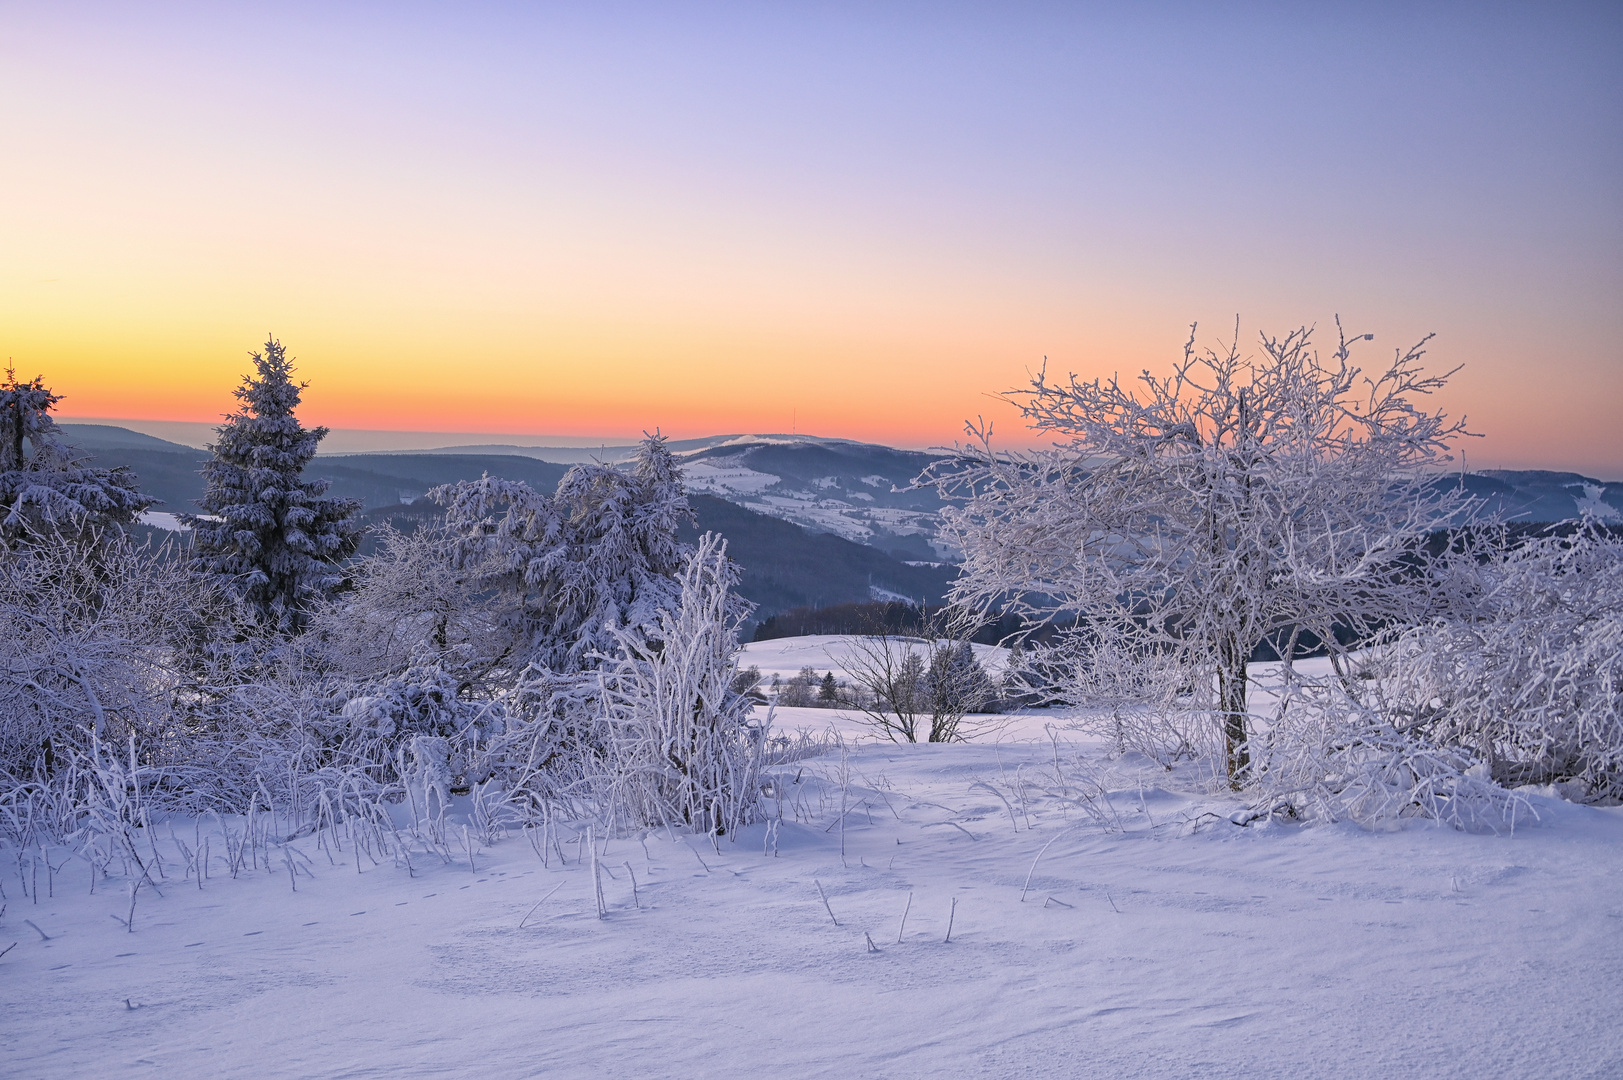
(1153, 939)
(785, 657)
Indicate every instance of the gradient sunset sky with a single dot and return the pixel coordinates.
(854, 219)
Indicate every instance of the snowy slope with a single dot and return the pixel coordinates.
(786, 656)
(1153, 940)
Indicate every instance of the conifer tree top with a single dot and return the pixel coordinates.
(43, 488)
(263, 432)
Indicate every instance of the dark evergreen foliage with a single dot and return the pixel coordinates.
(276, 536)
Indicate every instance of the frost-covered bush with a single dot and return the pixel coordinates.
(1326, 755)
(565, 573)
(96, 642)
(1147, 701)
(107, 649)
(679, 745)
(1532, 685)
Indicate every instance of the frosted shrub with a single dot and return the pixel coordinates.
(679, 744)
(1143, 701)
(1327, 756)
(95, 643)
(1533, 684)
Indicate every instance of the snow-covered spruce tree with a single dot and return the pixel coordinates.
(1235, 501)
(956, 682)
(680, 744)
(44, 491)
(277, 537)
(567, 572)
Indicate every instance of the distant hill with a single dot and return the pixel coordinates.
(855, 490)
(812, 521)
(1537, 496)
(170, 470)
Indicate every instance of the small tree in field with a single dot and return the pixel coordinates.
(277, 536)
(1191, 517)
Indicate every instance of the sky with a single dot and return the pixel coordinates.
(858, 220)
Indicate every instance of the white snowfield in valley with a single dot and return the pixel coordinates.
(1152, 938)
(785, 657)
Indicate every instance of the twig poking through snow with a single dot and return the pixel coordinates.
(636, 900)
(900, 929)
(1054, 900)
(42, 934)
(538, 903)
(597, 877)
(8, 948)
(1027, 886)
(871, 946)
(951, 914)
(1000, 798)
(824, 895)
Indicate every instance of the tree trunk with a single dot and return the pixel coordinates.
(1231, 705)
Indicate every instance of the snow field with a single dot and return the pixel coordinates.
(786, 656)
(1153, 939)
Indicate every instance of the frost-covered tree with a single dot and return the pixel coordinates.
(277, 537)
(43, 489)
(828, 691)
(1235, 501)
(407, 605)
(797, 692)
(956, 682)
(568, 572)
